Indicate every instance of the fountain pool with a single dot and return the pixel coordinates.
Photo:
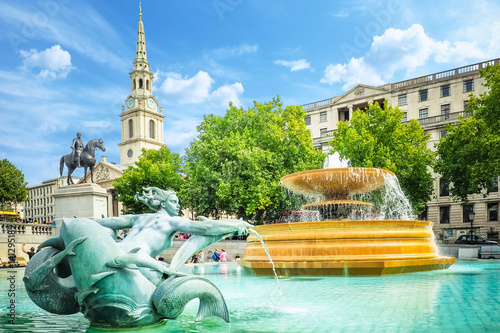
(463, 298)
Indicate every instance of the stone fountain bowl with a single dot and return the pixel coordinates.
(335, 183)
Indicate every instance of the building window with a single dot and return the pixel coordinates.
(492, 211)
(443, 134)
(423, 115)
(444, 188)
(130, 128)
(444, 214)
(445, 90)
(133, 84)
(402, 99)
(323, 132)
(405, 117)
(445, 111)
(147, 84)
(152, 129)
(344, 114)
(493, 186)
(323, 117)
(468, 85)
(140, 83)
(307, 120)
(466, 210)
(423, 95)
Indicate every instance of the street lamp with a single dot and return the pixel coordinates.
(471, 218)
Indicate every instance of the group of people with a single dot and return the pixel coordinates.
(222, 256)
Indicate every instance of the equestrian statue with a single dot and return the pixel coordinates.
(81, 157)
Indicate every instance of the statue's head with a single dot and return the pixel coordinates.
(78, 135)
(159, 200)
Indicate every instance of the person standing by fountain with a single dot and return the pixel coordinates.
(223, 256)
(216, 255)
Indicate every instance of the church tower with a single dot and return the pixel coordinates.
(142, 120)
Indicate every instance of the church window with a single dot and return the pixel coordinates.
(147, 84)
(130, 128)
(140, 84)
(152, 129)
(133, 84)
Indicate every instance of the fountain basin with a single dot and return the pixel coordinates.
(337, 183)
(345, 247)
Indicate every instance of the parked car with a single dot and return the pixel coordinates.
(474, 239)
(489, 252)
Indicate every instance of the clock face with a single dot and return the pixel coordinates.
(130, 102)
(151, 103)
(130, 153)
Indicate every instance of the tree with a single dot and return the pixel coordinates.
(376, 137)
(13, 188)
(160, 168)
(236, 162)
(469, 155)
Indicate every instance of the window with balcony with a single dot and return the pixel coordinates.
(307, 120)
(445, 111)
(423, 95)
(466, 210)
(423, 115)
(468, 85)
(444, 214)
(323, 132)
(402, 99)
(492, 211)
(323, 117)
(445, 90)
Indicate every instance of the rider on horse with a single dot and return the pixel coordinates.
(77, 147)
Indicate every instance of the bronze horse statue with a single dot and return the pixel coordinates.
(87, 160)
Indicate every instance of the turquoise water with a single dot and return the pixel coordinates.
(464, 298)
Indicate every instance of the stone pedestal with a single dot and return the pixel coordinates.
(80, 200)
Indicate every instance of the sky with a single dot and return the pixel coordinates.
(64, 64)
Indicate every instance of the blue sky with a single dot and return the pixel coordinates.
(64, 64)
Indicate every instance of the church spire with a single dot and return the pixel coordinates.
(140, 51)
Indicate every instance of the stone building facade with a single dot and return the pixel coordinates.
(434, 100)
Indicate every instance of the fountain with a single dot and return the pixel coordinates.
(341, 244)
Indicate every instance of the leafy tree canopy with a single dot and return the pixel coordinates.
(469, 156)
(236, 162)
(13, 188)
(376, 137)
(160, 168)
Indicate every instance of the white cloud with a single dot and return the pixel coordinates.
(54, 63)
(198, 89)
(295, 65)
(228, 93)
(356, 71)
(400, 50)
(233, 51)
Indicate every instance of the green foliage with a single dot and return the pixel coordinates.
(236, 162)
(377, 138)
(160, 168)
(13, 188)
(469, 156)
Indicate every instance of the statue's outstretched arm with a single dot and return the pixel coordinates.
(118, 222)
(210, 227)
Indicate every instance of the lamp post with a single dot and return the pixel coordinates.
(471, 218)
